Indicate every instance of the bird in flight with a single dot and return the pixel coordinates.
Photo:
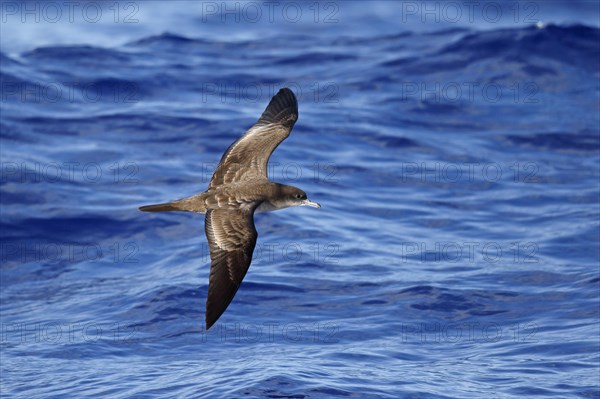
(238, 188)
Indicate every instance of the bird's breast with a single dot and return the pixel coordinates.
(266, 206)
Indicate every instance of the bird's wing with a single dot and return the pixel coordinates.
(231, 237)
(247, 158)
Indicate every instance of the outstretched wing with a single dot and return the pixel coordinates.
(231, 237)
(247, 158)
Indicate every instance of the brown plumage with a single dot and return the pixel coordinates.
(238, 188)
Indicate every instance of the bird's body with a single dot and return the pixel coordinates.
(255, 193)
(239, 188)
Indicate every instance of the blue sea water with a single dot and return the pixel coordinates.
(456, 253)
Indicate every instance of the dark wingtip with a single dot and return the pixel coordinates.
(282, 109)
(209, 323)
(212, 316)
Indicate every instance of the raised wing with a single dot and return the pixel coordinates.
(231, 237)
(247, 158)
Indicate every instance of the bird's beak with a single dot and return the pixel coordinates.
(308, 202)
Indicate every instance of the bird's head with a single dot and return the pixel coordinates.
(292, 196)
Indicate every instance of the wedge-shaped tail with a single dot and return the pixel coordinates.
(165, 207)
(195, 203)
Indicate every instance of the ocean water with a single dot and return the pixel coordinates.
(456, 159)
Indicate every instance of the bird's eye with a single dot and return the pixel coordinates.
(299, 196)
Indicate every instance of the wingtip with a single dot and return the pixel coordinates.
(287, 97)
(282, 109)
(211, 316)
(285, 91)
(210, 320)
(209, 325)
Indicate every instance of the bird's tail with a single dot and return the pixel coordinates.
(195, 203)
(164, 207)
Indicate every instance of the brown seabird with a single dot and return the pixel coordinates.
(238, 188)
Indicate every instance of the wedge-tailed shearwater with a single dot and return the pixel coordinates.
(238, 188)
